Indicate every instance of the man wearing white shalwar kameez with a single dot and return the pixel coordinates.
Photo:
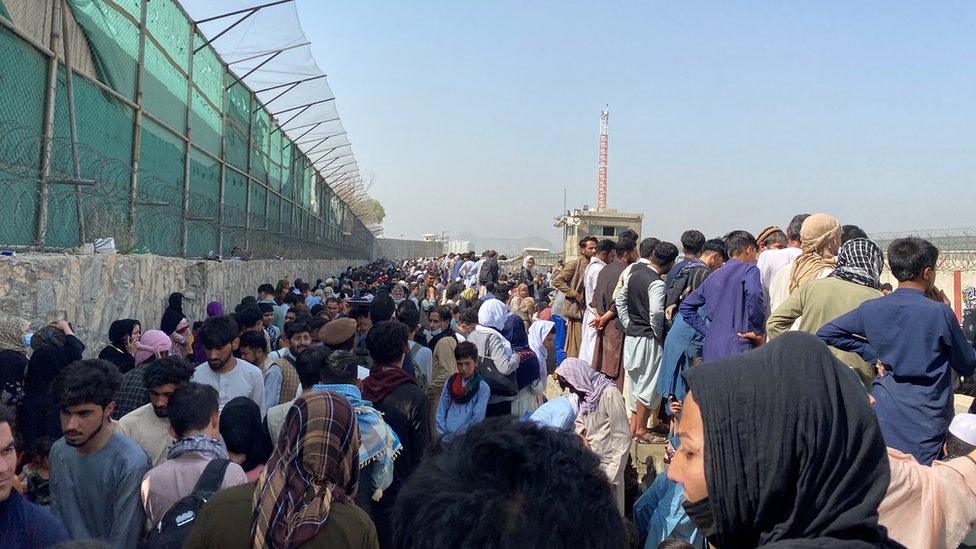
(598, 262)
(640, 308)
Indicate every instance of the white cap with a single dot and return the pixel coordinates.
(963, 427)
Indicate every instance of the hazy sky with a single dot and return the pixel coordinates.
(476, 116)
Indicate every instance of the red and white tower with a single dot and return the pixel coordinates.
(601, 193)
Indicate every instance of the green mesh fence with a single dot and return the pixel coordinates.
(214, 171)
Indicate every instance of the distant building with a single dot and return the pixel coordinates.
(457, 246)
(600, 223)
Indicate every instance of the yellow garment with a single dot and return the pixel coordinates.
(816, 236)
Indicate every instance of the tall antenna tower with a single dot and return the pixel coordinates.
(601, 193)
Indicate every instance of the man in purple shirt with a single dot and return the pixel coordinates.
(733, 300)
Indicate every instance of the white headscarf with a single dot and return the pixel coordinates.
(538, 331)
(525, 262)
(491, 320)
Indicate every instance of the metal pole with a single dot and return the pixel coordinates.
(137, 126)
(185, 223)
(40, 228)
(223, 170)
(72, 121)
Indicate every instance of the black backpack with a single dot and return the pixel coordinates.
(173, 529)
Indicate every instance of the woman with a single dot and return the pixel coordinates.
(492, 344)
(175, 324)
(542, 339)
(123, 338)
(55, 346)
(602, 419)
(248, 442)
(527, 277)
(153, 344)
(13, 360)
(529, 372)
(779, 446)
(305, 497)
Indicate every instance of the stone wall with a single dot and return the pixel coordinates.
(394, 248)
(90, 291)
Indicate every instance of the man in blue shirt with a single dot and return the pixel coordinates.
(22, 523)
(916, 340)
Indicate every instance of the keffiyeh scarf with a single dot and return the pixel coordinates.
(860, 261)
(198, 444)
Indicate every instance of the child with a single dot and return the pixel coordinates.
(37, 472)
(917, 341)
(733, 300)
(464, 398)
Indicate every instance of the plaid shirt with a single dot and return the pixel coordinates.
(132, 395)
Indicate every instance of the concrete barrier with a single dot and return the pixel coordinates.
(91, 291)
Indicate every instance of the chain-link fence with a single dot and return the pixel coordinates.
(957, 247)
(154, 141)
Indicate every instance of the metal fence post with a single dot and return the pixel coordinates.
(50, 96)
(185, 225)
(137, 125)
(72, 120)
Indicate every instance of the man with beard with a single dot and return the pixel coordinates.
(148, 425)
(95, 472)
(231, 376)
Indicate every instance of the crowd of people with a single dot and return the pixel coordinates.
(469, 401)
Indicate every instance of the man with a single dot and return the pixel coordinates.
(404, 407)
(195, 426)
(732, 298)
(420, 355)
(379, 445)
(148, 425)
(339, 334)
(249, 318)
(133, 393)
(231, 376)
(640, 304)
(569, 281)
(691, 245)
(819, 240)
(815, 303)
(489, 269)
(916, 341)
(266, 294)
(934, 506)
(511, 466)
(771, 261)
(95, 472)
(23, 525)
(469, 271)
(602, 256)
(332, 307)
(443, 342)
(608, 354)
(272, 331)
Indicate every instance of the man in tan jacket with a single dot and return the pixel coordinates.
(569, 281)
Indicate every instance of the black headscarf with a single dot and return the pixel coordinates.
(173, 314)
(243, 432)
(119, 329)
(793, 453)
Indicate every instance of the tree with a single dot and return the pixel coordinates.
(378, 211)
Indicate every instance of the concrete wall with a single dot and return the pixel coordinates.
(90, 291)
(394, 248)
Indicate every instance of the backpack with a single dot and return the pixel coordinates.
(173, 529)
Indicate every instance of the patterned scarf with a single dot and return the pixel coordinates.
(377, 442)
(198, 444)
(12, 334)
(969, 294)
(860, 261)
(815, 237)
(462, 393)
(586, 380)
(314, 464)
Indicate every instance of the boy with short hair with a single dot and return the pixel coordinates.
(464, 399)
(733, 300)
(916, 341)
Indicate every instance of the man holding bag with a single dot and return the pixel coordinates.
(570, 281)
